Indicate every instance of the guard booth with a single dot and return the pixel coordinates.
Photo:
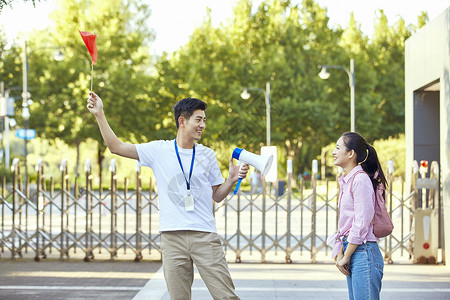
(427, 131)
(426, 214)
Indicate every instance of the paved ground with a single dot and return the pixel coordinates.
(25, 279)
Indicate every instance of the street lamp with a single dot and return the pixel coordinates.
(351, 77)
(246, 95)
(25, 110)
(58, 56)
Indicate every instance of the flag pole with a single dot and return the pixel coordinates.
(92, 70)
(92, 75)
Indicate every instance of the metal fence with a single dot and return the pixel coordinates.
(268, 223)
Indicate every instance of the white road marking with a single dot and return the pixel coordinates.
(155, 287)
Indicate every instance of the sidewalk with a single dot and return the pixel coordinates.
(315, 281)
(25, 279)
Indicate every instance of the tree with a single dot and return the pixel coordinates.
(282, 43)
(279, 43)
(10, 66)
(387, 59)
(422, 19)
(357, 46)
(120, 75)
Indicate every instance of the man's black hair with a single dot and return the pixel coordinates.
(186, 108)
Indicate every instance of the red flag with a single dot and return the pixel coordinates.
(89, 40)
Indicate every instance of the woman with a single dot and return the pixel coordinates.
(355, 245)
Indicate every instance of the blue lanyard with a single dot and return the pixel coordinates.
(188, 183)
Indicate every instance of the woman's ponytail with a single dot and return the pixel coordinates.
(366, 156)
(373, 168)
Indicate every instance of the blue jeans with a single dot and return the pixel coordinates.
(366, 271)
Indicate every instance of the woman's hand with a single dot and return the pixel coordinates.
(342, 263)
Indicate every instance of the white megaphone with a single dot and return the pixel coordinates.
(262, 163)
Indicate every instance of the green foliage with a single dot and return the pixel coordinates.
(330, 168)
(280, 42)
(59, 89)
(5, 173)
(277, 44)
(422, 19)
(387, 60)
(390, 149)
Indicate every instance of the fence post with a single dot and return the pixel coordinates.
(288, 209)
(3, 212)
(67, 193)
(263, 230)
(18, 233)
(313, 210)
(75, 209)
(16, 179)
(238, 231)
(113, 246)
(45, 202)
(52, 204)
(436, 204)
(414, 199)
(26, 202)
(38, 192)
(88, 247)
(390, 177)
(138, 257)
(63, 169)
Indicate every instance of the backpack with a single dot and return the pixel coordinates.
(382, 223)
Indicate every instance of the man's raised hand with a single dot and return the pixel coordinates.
(94, 103)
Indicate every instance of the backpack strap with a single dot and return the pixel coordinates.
(351, 184)
(351, 193)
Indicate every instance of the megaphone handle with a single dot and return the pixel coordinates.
(237, 186)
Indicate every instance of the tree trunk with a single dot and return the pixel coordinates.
(100, 157)
(77, 146)
(292, 150)
(323, 164)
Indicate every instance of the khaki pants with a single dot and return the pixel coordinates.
(182, 249)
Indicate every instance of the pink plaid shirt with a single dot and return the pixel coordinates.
(355, 213)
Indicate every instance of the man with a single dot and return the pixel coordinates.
(188, 177)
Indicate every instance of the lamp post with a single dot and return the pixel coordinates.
(351, 77)
(25, 110)
(246, 95)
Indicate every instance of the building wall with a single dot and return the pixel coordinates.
(427, 61)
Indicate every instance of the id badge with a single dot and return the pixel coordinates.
(189, 202)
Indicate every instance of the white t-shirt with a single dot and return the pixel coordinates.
(162, 158)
